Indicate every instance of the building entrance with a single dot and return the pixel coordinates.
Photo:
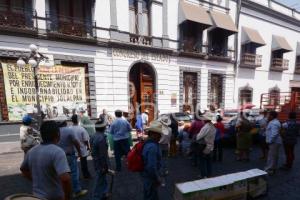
(142, 90)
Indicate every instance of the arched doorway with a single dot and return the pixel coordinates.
(142, 79)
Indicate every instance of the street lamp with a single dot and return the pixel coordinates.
(34, 60)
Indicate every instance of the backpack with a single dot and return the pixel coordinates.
(135, 161)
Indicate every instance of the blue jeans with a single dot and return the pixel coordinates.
(72, 160)
(121, 148)
(205, 165)
(164, 160)
(150, 189)
(100, 186)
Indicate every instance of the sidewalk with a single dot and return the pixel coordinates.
(128, 185)
(10, 147)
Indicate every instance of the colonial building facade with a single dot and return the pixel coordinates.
(160, 55)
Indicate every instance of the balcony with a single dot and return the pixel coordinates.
(297, 67)
(64, 27)
(220, 54)
(191, 48)
(249, 60)
(140, 40)
(17, 20)
(279, 64)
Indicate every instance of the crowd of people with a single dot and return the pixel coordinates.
(50, 159)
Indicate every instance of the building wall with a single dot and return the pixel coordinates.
(262, 79)
(111, 71)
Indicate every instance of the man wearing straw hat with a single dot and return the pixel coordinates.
(206, 139)
(152, 161)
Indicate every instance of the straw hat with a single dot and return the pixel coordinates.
(165, 120)
(156, 127)
(206, 117)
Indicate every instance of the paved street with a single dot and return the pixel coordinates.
(128, 186)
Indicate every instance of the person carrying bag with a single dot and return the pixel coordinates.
(206, 139)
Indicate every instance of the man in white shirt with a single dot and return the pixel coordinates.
(206, 139)
(83, 137)
(145, 118)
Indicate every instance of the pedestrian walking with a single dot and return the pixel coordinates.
(173, 144)
(83, 137)
(218, 146)
(29, 137)
(145, 118)
(289, 136)
(86, 123)
(263, 122)
(69, 142)
(206, 139)
(152, 157)
(104, 117)
(47, 166)
(195, 128)
(274, 141)
(243, 137)
(164, 144)
(139, 127)
(184, 139)
(99, 151)
(120, 131)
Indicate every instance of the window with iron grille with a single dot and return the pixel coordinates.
(245, 95)
(145, 17)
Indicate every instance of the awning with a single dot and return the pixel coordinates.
(223, 21)
(250, 35)
(280, 43)
(194, 13)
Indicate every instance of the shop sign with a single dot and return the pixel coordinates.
(61, 90)
(141, 55)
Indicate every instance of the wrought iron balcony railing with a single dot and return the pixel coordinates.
(193, 48)
(251, 60)
(220, 53)
(279, 64)
(70, 27)
(140, 40)
(17, 19)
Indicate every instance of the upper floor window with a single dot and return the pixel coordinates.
(12, 4)
(191, 36)
(145, 30)
(72, 8)
(17, 14)
(133, 11)
(136, 26)
(71, 17)
(218, 43)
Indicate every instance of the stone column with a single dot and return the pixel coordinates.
(165, 24)
(113, 15)
(140, 17)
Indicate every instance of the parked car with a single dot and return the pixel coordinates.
(180, 116)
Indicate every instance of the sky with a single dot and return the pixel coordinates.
(294, 3)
